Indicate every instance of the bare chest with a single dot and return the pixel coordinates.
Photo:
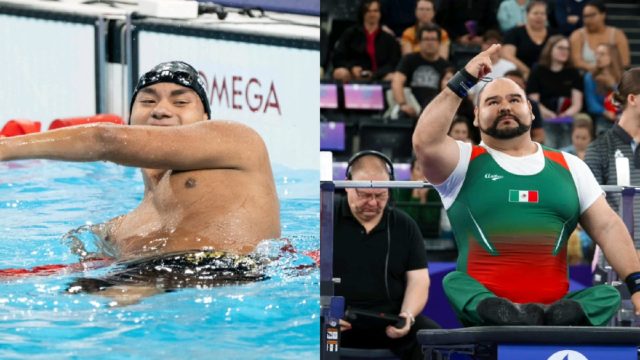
(189, 209)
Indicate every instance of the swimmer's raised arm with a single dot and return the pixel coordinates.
(202, 145)
(437, 152)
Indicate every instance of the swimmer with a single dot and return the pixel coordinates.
(208, 184)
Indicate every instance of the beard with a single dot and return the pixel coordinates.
(506, 133)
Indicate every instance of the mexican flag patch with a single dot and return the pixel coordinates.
(523, 196)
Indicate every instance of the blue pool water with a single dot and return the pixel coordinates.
(40, 201)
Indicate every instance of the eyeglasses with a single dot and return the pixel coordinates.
(368, 196)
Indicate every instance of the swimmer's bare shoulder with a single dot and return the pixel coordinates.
(228, 144)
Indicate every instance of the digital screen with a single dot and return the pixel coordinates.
(366, 97)
(339, 170)
(402, 171)
(328, 96)
(332, 136)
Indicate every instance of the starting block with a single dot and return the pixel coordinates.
(531, 342)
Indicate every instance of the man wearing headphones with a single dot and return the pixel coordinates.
(381, 261)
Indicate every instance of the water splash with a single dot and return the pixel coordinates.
(89, 242)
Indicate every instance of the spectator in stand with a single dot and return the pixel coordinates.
(512, 13)
(569, 15)
(459, 130)
(600, 84)
(423, 70)
(555, 83)
(581, 136)
(465, 20)
(522, 45)
(398, 14)
(557, 86)
(425, 13)
(537, 128)
(594, 32)
(364, 51)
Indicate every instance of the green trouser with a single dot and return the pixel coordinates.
(599, 303)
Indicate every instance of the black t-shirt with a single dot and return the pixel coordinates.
(359, 258)
(423, 76)
(351, 50)
(526, 50)
(537, 115)
(553, 85)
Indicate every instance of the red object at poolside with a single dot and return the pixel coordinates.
(55, 269)
(110, 118)
(17, 127)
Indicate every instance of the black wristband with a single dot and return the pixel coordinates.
(633, 282)
(461, 82)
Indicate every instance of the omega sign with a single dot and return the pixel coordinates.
(242, 93)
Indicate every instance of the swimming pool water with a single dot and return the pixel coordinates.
(40, 201)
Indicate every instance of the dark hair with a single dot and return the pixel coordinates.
(545, 55)
(459, 120)
(430, 28)
(533, 3)
(364, 7)
(630, 84)
(515, 73)
(598, 4)
(492, 34)
(616, 68)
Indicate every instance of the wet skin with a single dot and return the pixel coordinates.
(230, 206)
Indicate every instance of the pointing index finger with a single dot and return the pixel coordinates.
(493, 49)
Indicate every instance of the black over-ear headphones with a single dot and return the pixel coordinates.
(389, 164)
(378, 154)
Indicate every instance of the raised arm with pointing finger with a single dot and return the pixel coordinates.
(430, 139)
(513, 204)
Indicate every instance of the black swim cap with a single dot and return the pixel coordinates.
(177, 72)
